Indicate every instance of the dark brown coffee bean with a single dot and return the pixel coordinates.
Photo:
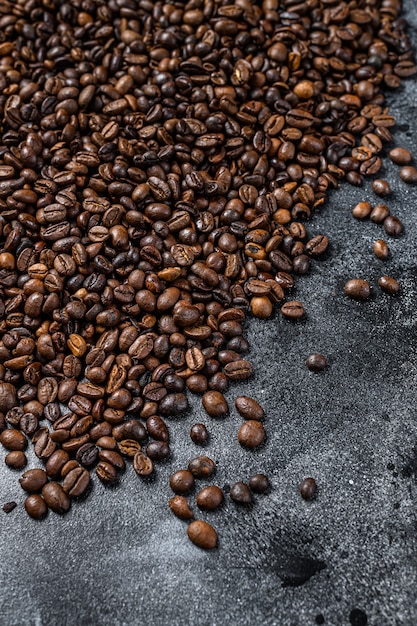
(400, 156)
(240, 493)
(202, 467)
(209, 498)
(357, 288)
(381, 249)
(251, 434)
(389, 285)
(36, 506)
(382, 187)
(308, 488)
(293, 310)
(202, 534)
(362, 210)
(199, 434)
(158, 450)
(142, 464)
(9, 506)
(393, 226)
(180, 507)
(106, 472)
(157, 428)
(408, 174)
(181, 482)
(215, 404)
(379, 213)
(76, 482)
(16, 459)
(13, 440)
(249, 408)
(33, 480)
(258, 483)
(56, 498)
(316, 362)
(238, 370)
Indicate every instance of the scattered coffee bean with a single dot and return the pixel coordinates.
(362, 210)
(199, 434)
(379, 213)
(202, 467)
(215, 404)
(308, 488)
(358, 289)
(251, 434)
(33, 480)
(393, 226)
(408, 174)
(16, 460)
(249, 408)
(293, 310)
(381, 249)
(400, 156)
(36, 506)
(9, 506)
(56, 498)
(180, 507)
(240, 492)
(13, 440)
(142, 464)
(202, 534)
(209, 498)
(316, 362)
(181, 481)
(381, 187)
(389, 285)
(259, 483)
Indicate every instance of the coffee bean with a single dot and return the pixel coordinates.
(142, 464)
(199, 434)
(209, 498)
(182, 481)
(293, 310)
(393, 226)
(56, 498)
(362, 210)
(251, 434)
(33, 480)
(357, 288)
(76, 482)
(258, 483)
(379, 213)
(249, 408)
(382, 187)
(400, 156)
(215, 404)
(9, 506)
(202, 534)
(13, 439)
(180, 507)
(308, 488)
(202, 467)
(408, 174)
(36, 506)
(240, 493)
(381, 249)
(16, 459)
(389, 285)
(316, 362)
(106, 472)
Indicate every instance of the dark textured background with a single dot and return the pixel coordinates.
(122, 558)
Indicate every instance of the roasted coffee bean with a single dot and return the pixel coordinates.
(202, 534)
(202, 467)
(362, 210)
(33, 480)
(106, 472)
(389, 285)
(56, 498)
(258, 483)
(158, 450)
(408, 174)
(36, 506)
(381, 249)
(393, 226)
(249, 408)
(180, 507)
(400, 156)
(293, 310)
(316, 362)
(209, 498)
(240, 493)
(199, 434)
(181, 482)
(142, 464)
(55, 463)
(9, 506)
(215, 404)
(379, 213)
(382, 187)
(76, 482)
(251, 434)
(16, 459)
(157, 428)
(357, 288)
(308, 488)
(12, 439)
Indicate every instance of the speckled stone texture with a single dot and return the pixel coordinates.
(121, 558)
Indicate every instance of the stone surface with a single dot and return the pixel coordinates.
(122, 558)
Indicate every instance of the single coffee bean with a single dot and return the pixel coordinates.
(251, 434)
(293, 310)
(261, 307)
(142, 464)
(249, 408)
(316, 362)
(381, 249)
(180, 507)
(258, 483)
(379, 213)
(240, 493)
(12, 439)
(400, 156)
(36, 506)
(209, 498)
(199, 434)
(202, 534)
(181, 481)
(76, 482)
(408, 174)
(358, 289)
(215, 404)
(16, 459)
(393, 226)
(9, 506)
(382, 187)
(202, 467)
(33, 480)
(56, 498)
(389, 285)
(55, 463)
(308, 488)
(106, 472)
(362, 210)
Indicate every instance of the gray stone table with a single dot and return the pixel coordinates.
(121, 558)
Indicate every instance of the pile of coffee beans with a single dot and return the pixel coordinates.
(158, 162)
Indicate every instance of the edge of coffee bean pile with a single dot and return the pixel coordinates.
(159, 164)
